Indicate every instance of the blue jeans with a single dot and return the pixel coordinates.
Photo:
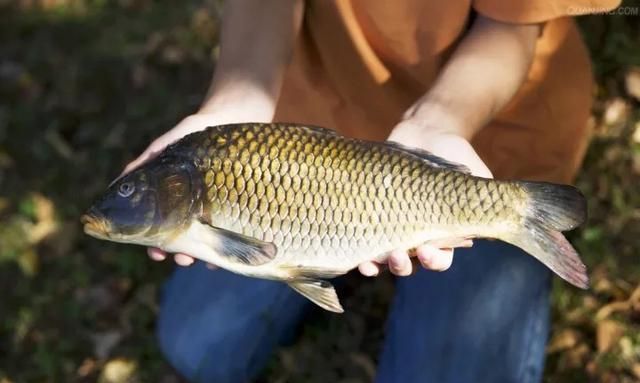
(484, 320)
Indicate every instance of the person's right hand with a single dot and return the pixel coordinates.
(191, 124)
(195, 123)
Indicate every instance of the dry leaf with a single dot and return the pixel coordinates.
(632, 83)
(634, 299)
(636, 133)
(609, 309)
(626, 347)
(608, 332)
(45, 216)
(636, 163)
(118, 371)
(87, 367)
(615, 115)
(636, 370)
(563, 340)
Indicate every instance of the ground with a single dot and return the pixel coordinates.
(86, 84)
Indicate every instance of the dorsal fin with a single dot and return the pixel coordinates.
(313, 128)
(430, 158)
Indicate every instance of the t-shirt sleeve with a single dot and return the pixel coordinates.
(536, 11)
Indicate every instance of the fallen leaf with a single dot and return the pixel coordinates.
(45, 219)
(615, 115)
(28, 262)
(634, 299)
(204, 24)
(563, 340)
(632, 83)
(636, 163)
(608, 332)
(626, 347)
(606, 310)
(87, 367)
(636, 370)
(118, 371)
(636, 133)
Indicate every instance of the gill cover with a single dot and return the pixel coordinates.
(158, 197)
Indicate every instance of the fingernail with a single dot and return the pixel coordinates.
(183, 260)
(156, 254)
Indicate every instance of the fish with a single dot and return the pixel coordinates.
(303, 204)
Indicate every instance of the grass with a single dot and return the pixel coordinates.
(85, 85)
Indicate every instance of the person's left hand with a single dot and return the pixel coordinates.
(445, 144)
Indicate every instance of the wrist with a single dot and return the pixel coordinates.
(427, 121)
(241, 100)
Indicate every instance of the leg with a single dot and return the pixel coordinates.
(215, 326)
(484, 320)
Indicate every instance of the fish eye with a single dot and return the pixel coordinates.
(126, 189)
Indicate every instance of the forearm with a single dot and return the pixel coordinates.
(485, 71)
(256, 44)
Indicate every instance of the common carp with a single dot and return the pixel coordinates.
(303, 204)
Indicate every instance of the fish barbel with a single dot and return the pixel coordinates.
(303, 204)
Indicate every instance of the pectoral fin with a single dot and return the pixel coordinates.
(310, 272)
(319, 292)
(236, 247)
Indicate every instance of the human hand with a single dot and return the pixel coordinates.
(446, 144)
(194, 123)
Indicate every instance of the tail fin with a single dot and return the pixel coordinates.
(553, 208)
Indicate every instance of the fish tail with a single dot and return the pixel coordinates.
(552, 208)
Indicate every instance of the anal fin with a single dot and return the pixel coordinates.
(319, 292)
(310, 272)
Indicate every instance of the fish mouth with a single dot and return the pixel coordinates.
(95, 225)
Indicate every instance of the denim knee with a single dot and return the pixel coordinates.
(215, 326)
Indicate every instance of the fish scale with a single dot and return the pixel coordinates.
(301, 204)
(354, 199)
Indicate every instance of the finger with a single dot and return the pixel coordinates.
(369, 269)
(156, 254)
(434, 258)
(183, 259)
(399, 263)
(142, 158)
(211, 266)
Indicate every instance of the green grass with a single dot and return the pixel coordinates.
(85, 85)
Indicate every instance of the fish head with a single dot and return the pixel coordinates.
(146, 206)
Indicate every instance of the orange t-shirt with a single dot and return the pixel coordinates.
(359, 64)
